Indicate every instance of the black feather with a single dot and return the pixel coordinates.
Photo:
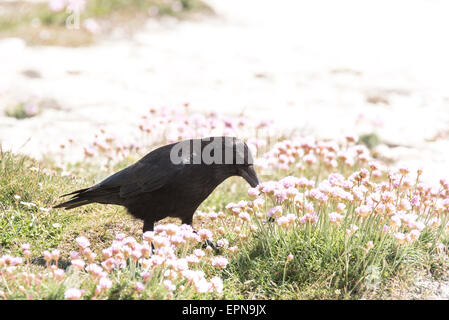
(155, 187)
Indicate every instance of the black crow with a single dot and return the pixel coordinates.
(171, 181)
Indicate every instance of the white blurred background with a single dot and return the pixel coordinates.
(322, 67)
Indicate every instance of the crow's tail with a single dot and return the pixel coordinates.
(91, 195)
(79, 198)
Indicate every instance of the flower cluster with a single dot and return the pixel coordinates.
(164, 261)
(397, 206)
(165, 125)
(304, 152)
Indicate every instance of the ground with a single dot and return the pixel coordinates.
(323, 68)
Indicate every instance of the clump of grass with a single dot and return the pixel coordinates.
(26, 194)
(370, 140)
(23, 110)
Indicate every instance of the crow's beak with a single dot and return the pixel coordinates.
(249, 174)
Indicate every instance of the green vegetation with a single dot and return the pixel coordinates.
(327, 258)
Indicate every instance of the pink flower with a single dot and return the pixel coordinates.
(57, 5)
(220, 262)
(74, 254)
(140, 286)
(192, 259)
(283, 221)
(104, 284)
(275, 211)
(92, 26)
(205, 234)
(352, 229)
(89, 151)
(258, 203)
(309, 159)
(201, 285)
(363, 210)
(253, 192)
(94, 269)
(291, 192)
(340, 207)
(76, 6)
(414, 234)
(120, 236)
(400, 237)
(55, 254)
(169, 285)
(199, 253)
(396, 221)
(145, 275)
(216, 284)
(47, 255)
(83, 242)
(244, 216)
(223, 243)
(148, 236)
(335, 217)
(73, 294)
(404, 204)
(59, 274)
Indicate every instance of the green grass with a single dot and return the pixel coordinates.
(323, 267)
(24, 177)
(327, 264)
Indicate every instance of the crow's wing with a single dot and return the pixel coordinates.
(149, 174)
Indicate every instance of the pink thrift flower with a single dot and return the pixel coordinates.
(199, 253)
(93, 27)
(104, 284)
(244, 216)
(335, 217)
(395, 221)
(73, 294)
(340, 207)
(83, 242)
(414, 234)
(253, 192)
(363, 210)
(275, 211)
(220, 262)
(140, 286)
(57, 5)
(283, 221)
(400, 237)
(217, 284)
(169, 285)
(205, 234)
(59, 274)
(76, 6)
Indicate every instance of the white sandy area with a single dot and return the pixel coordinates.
(308, 65)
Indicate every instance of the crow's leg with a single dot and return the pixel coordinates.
(207, 242)
(148, 225)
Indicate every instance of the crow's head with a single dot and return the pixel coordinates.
(226, 156)
(243, 162)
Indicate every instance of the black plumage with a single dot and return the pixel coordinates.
(171, 181)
